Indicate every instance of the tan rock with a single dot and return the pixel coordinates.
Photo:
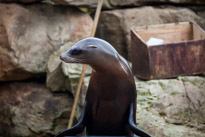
(20, 1)
(114, 25)
(30, 33)
(63, 76)
(30, 109)
(186, 108)
(172, 107)
(122, 3)
(56, 80)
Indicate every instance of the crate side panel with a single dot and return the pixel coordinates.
(173, 60)
(198, 33)
(169, 33)
(140, 58)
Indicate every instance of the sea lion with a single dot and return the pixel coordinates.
(110, 104)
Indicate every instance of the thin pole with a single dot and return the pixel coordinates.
(97, 14)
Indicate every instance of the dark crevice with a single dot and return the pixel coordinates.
(39, 78)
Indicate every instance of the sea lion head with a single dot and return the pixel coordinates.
(91, 51)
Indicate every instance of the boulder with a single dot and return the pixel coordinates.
(108, 4)
(187, 108)
(56, 80)
(20, 1)
(30, 33)
(29, 109)
(63, 76)
(117, 23)
(173, 107)
(118, 3)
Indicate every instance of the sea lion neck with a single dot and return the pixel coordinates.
(110, 69)
(112, 65)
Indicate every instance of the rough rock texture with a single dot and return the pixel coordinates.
(30, 33)
(29, 109)
(114, 26)
(55, 78)
(117, 3)
(114, 3)
(174, 107)
(67, 74)
(20, 1)
(108, 3)
(82, 3)
(62, 76)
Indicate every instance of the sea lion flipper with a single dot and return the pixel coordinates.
(133, 126)
(76, 129)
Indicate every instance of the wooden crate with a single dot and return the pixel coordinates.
(182, 53)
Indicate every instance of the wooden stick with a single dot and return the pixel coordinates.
(97, 14)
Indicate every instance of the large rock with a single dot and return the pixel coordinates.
(173, 107)
(56, 80)
(187, 108)
(121, 3)
(117, 23)
(20, 1)
(109, 3)
(117, 3)
(63, 76)
(29, 109)
(30, 33)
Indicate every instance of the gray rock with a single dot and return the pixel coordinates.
(56, 80)
(30, 33)
(63, 76)
(173, 107)
(30, 109)
(117, 23)
(20, 1)
(108, 3)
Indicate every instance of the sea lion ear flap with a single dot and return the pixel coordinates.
(92, 46)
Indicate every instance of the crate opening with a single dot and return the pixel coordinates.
(171, 33)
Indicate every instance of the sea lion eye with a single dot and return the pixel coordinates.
(92, 46)
(76, 51)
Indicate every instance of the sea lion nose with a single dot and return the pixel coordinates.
(62, 56)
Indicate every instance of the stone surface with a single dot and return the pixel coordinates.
(117, 3)
(30, 33)
(117, 23)
(20, 1)
(173, 107)
(82, 3)
(121, 3)
(30, 109)
(56, 80)
(62, 76)
(108, 3)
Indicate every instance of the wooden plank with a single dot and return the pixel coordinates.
(172, 60)
(198, 33)
(140, 57)
(171, 33)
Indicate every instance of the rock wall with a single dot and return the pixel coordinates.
(37, 89)
(30, 109)
(29, 34)
(173, 107)
(117, 23)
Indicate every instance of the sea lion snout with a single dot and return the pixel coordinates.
(73, 55)
(63, 56)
